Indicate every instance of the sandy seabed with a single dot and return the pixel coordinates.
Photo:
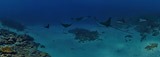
(58, 44)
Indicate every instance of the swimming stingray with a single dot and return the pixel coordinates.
(78, 19)
(107, 24)
(47, 26)
(65, 25)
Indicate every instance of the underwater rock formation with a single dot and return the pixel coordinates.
(14, 45)
(12, 24)
(83, 35)
(148, 27)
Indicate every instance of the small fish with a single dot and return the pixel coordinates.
(47, 26)
(66, 25)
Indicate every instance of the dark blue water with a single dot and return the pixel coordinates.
(34, 12)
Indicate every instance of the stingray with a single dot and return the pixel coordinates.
(47, 26)
(107, 23)
(66, 25)
(78, 19)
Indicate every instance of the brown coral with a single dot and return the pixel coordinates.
(151, 46)
(7, 50)
(17, 45)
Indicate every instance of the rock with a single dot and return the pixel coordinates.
(83, 35)
(14, 45)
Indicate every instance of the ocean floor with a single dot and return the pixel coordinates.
(113, 44)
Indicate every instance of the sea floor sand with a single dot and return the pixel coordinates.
(113, 44)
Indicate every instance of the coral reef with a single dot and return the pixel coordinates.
(15, 45)
(83, 35)
(6, 50)
(151, 46)
(148, 27)
(13, 24)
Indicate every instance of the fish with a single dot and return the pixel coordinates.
(66, 25)
(77, 19)
(106, 23)
(47, 26)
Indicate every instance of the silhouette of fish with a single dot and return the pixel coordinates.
(106, 23)
(47, 26)
(78, 19)
(66, 25)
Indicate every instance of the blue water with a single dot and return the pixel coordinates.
(52, 10)
(35, 14)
